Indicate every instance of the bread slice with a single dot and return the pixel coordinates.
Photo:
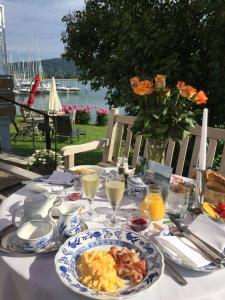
(215, 181)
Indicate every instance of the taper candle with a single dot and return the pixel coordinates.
(203, 144)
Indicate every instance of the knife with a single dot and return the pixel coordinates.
(173, 273)
(207, 250)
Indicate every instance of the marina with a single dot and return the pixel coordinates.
(82, 97)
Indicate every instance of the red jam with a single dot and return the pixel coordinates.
(138, 224)
(74, 196)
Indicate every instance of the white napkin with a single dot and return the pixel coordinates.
(182, 250)
(41, 187)
(60, 177)
(209, 231)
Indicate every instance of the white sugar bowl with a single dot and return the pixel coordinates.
(34, 235)
(136, 187)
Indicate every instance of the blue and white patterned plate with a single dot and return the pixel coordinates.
(68, 255)
(208, 268)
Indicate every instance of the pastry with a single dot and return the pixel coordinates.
(215, 181)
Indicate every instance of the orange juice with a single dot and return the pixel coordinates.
(156, 207)
(153, 204)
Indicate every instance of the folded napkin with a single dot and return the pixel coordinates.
(182, 250)
(59, 177)
(41, 187)
(209, 231)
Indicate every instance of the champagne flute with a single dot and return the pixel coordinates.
(114, 190)
(90, 184)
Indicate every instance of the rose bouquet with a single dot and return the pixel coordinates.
(165, 111)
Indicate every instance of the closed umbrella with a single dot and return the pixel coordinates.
(30, 101)
(54, 104)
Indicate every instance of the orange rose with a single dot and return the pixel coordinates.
(188, 91)
(201, 98)
(180, 85)
(145, 87)
(135, 81)
(160, 81)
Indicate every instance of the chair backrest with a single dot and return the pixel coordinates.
(73, 116)
(63, 125)
(216, 145)
(26, 114)
(118, 124)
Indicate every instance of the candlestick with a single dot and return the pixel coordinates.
(203, 144)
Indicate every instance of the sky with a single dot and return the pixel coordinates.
(33, 27)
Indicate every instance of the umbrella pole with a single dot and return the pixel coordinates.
(55, 137)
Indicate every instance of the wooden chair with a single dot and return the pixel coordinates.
(111, 145)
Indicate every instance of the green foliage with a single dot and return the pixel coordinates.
(55, 67)
(101, 119)
(59, 68)
(114, 40)
(83, 117)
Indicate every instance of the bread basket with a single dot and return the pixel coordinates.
(213, 196)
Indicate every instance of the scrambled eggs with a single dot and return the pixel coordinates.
(97, 271)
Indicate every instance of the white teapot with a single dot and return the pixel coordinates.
(37, 207)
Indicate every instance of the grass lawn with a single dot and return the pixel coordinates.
(23, 145)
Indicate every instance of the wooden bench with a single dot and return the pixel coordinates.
(120, 124)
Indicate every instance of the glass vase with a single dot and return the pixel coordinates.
(157, 150)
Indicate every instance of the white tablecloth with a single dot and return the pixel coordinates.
(34, 277)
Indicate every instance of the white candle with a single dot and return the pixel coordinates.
(203, 144)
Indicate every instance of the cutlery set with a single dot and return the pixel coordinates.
(207, 250)
(212, 254)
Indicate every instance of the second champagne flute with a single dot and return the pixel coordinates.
(90, 185)
(114, 191)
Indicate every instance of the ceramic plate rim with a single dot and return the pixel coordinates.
(108, 296)
(96, 167)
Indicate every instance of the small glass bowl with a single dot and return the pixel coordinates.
(139, 221)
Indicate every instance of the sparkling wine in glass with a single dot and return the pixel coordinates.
(114, 191)
(90, 184)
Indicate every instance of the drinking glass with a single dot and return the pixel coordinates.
(90, 184)
(177, 200)
(114, 190)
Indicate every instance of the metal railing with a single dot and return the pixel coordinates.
(46, 123)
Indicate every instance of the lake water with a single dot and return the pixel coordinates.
(82, 98)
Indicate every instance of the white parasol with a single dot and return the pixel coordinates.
(54, 104)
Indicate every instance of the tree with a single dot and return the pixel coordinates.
(114, 40)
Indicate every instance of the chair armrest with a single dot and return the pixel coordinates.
(70, 150)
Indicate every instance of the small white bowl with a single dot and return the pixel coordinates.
(35, 235)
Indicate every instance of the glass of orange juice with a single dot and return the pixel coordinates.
(153, 203)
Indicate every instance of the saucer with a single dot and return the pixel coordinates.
(9, 242)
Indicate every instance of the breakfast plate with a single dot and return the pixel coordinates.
(67, 258)
(86, 169)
